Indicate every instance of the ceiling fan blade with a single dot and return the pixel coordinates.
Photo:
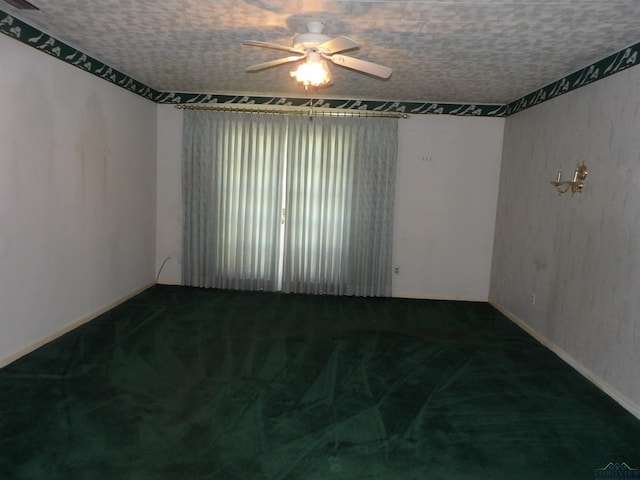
(361, 65)
(275, 46)
(338, 44)
(274, 63)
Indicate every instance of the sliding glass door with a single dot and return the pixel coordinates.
(232, 197)
(281, 202)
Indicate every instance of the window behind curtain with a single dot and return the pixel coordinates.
(335, 178)
(232, 195)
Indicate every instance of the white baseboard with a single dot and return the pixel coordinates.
(12, 357)
(422, 296)
(612, 392)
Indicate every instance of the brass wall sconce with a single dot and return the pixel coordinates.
(575, 185)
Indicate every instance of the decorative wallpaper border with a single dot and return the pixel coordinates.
(25, 33)
(33, 37)
(416, 108)
(603, 68)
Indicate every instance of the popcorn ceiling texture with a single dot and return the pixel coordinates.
(491, 51)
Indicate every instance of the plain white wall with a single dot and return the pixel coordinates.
(579, 255)
(169, 196)
(446, 195)
(447, 188)
(77, 195)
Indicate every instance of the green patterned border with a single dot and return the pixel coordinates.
(369, 105)
(33, 37)
(607, 66)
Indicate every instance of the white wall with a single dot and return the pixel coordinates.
(446, 195)
(445, 206)
(77, 195)
(579, 255)
(169, 198)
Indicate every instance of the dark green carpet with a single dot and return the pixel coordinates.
(184, 383)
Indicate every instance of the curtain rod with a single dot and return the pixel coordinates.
(312, 112)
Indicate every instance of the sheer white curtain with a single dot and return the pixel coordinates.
(335, 177)
(340, 191)
(232, 195)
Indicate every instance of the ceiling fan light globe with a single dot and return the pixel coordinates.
(314, 73)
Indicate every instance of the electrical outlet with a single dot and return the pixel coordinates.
(396, 270)
(533, 299)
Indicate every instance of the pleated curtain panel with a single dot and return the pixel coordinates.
(291, 203)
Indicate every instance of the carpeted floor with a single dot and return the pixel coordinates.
(184, 383)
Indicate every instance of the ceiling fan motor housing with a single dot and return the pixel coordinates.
(312, 38)
(309, 40)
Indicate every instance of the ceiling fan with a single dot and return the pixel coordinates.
(315, 46)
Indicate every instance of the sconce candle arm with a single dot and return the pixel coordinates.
(575, 185)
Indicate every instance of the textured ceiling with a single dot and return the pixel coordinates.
(482, 51)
